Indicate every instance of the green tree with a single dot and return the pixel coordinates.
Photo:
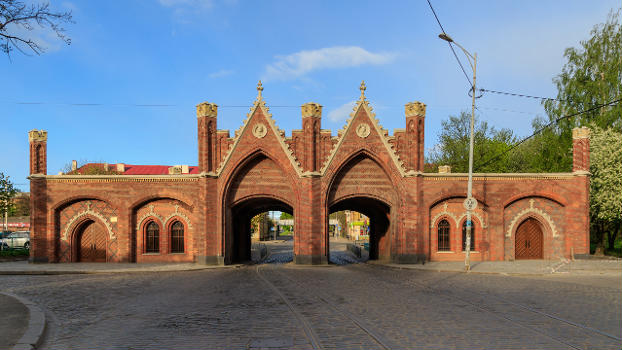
(453, 146)
(21, 204)
(592, 76)
(7, 192)
(286, 216)
(606, 186)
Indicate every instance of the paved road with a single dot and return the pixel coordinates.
(281, 251)
(355, 306)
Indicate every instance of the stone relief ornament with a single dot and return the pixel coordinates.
(363, 130)
(260, 130)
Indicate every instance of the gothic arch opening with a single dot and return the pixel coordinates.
(362, 185)
(528, 240)
(239, 228)
(259, 186)
(377, 230)
(89, 242)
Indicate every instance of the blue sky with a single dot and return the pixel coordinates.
(181, 52)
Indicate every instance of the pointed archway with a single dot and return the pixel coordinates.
(362, 185)
(259, 185)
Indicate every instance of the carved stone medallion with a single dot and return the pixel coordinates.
(363, 130)
(260, 130)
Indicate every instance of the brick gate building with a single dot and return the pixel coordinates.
(202, 214)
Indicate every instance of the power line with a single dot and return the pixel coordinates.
(521, 95)
(131, 104)
(450, 46)
(545, 127)
(435, 16)
(504, 110)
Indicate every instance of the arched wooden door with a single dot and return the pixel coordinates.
(92, 243)
(528, 242)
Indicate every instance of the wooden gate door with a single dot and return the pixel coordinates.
(92, 243)
(528, 242)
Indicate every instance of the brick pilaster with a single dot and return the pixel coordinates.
(580, 149)
(206, 126)
(415, 123)
(311, 126)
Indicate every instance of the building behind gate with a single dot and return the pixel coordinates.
(202, 213)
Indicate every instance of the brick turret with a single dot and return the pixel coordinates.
(580, 149)
(415, 121)
(311, 126)
(206, 120)
(38, 151)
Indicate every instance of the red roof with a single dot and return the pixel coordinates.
(131, 169)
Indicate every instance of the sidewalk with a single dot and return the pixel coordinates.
(22, 324)
(520, 267)
(525, 267)
(25, 268)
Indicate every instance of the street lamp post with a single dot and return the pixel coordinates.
(470, 203)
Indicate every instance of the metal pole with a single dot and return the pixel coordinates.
(469, 223)
(6, 207)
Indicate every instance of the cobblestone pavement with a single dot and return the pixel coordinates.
(281, 252)
(355, 306)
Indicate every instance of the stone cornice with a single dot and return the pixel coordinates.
(194, 177)
(499, 176)
(117, 178)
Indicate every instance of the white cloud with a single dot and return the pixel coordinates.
(342, 112)
(221, 73)
(300, 63)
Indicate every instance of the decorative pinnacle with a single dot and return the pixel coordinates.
(363, 88)
(259, 90)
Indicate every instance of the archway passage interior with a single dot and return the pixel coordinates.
(238, 233)
(379, 214)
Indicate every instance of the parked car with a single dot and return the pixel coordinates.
(3, 234)
(18, 239)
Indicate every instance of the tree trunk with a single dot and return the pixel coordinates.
(601, 234)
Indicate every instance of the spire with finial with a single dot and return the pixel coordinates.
(259, 90)
(363, 88)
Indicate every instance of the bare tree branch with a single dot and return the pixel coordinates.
(15, 14)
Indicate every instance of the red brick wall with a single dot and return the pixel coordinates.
(312, 176)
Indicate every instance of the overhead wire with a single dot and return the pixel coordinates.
(544, 128)
(521, 95)
(450, 46)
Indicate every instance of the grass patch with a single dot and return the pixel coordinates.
(14, 252)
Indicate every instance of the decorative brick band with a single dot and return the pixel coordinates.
(150, 214)
(532, 209)
(84, 213)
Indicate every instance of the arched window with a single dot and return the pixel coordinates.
(152, 238)
(443, 236)
(464, 236)
(177, 237)
(38, 159)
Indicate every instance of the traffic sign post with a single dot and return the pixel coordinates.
(469, 204)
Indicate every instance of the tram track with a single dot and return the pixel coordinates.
(501, 315)
(313, 293)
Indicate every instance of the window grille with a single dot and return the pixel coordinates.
(443, 236)
(152, 244)
(177, 237)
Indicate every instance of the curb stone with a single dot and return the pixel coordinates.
(33, 336)
(112, 271)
